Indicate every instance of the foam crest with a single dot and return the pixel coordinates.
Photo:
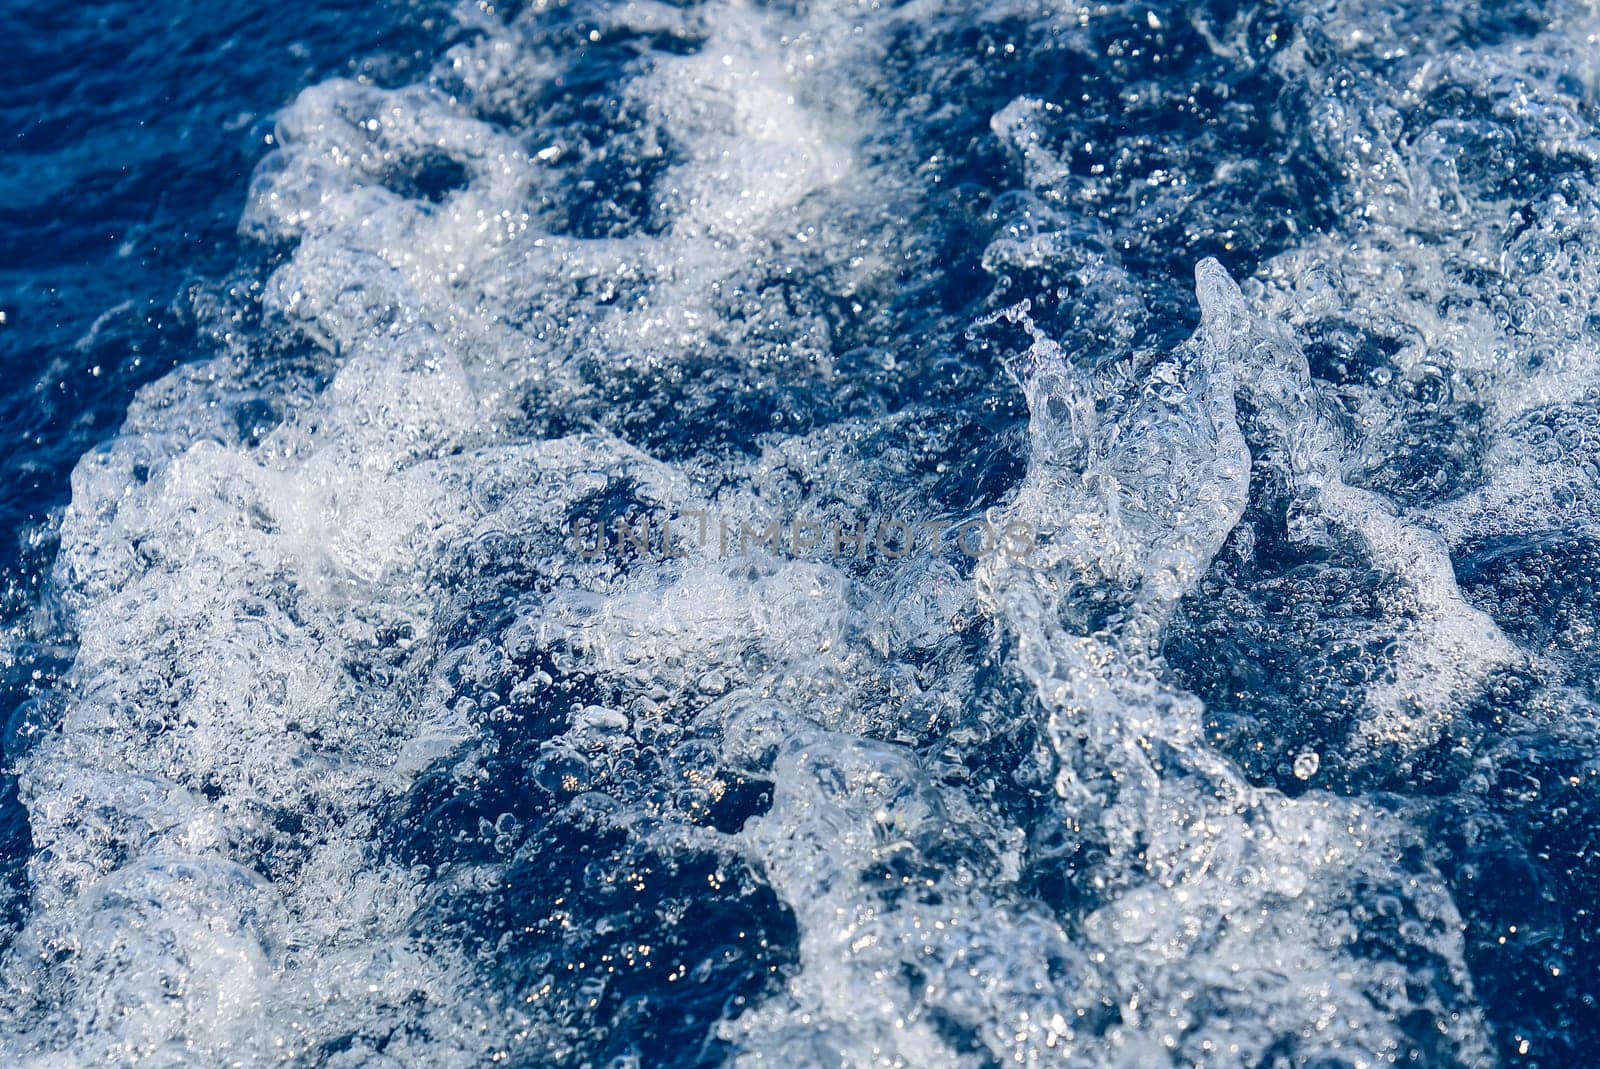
(1203, 872)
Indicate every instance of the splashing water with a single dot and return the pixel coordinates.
(1275, 749)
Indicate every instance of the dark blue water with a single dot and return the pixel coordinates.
(131, 134)
(1276, 326)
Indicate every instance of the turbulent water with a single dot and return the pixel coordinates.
(1271, 329)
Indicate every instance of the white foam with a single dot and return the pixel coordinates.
(266, 653)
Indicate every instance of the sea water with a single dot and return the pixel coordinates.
(1255, 345)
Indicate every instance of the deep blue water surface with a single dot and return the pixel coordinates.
(1275, 326)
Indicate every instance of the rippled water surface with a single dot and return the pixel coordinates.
(1274, 328)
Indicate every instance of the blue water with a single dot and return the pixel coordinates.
(1276, 327)
(131, 132)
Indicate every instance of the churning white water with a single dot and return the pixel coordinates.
(364, 762)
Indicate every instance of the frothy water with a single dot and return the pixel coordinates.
(1276, 324)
